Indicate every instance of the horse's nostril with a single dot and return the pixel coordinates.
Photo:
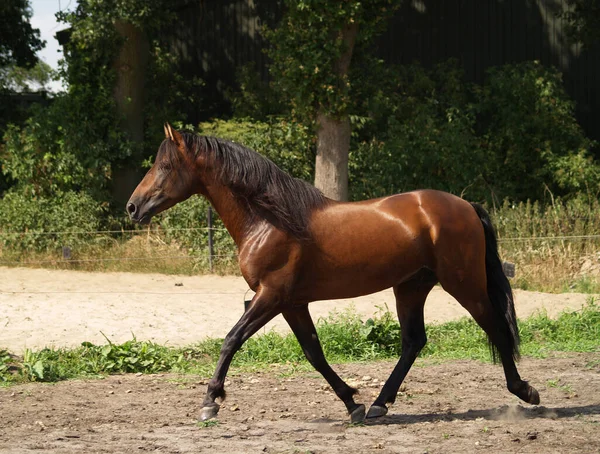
(131, 208)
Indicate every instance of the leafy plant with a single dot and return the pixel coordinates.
(343, 335)
(37, 223)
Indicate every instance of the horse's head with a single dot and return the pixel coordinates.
(169, 181)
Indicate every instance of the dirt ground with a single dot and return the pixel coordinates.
(41, 307)
(459, 406)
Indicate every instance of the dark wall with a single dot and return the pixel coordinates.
(485, 33)
(215, 38)
(218, 36)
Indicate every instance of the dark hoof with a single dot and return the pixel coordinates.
(377, 411)
(358, 414)
(209, 412)
(534, 396)
(526, 393)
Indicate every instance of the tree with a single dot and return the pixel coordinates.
(21, 79)
(312, 50)
(583, 21)
(19, 41)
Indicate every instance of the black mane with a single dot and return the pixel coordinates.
(283, 199)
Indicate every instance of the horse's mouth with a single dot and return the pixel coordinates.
(144, 220)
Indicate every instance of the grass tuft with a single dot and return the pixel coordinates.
(345, 337)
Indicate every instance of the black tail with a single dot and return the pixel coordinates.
(499, 293)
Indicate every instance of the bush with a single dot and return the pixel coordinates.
(27, 219)
(513, 138)
(287, 143)
(61, 149)
(186, 224)
(531, 137)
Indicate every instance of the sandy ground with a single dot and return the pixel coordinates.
(41, 307)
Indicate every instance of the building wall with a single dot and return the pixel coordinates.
(218, 36)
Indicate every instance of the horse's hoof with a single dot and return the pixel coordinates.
(358, 414)
(534, 396)
(209, 412)
(377, 411)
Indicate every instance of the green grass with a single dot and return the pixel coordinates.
(345, 337)
(207, 423)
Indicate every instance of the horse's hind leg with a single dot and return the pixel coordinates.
(410, 299)
(303, 327)
(473, 296)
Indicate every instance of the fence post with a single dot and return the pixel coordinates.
(210, 238)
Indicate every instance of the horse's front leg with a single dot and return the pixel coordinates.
(262, 309)
(303, 327)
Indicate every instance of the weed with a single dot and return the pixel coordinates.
(207, 423)
(556, 383)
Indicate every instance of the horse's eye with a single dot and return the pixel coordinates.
(166, 166)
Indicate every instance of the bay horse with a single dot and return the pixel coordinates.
(296, 246)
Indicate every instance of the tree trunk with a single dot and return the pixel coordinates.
(333, 134)
(331, 166)
(129, 96)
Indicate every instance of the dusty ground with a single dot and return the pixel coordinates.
(41, 308)
(451, 407)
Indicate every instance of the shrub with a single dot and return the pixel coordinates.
(420, 135)
(287, 143)
(528, 127)
(514, 137)
(26, 220)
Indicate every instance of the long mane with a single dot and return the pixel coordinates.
(286, 201)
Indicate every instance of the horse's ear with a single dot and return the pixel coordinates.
(173, 135)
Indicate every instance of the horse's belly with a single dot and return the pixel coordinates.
(362, 274)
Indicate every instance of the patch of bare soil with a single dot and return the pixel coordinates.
(460, 406)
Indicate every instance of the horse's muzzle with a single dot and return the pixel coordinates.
(136, 214)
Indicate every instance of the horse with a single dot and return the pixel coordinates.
(296, 246)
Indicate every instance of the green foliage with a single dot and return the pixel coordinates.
(306, 47)
(384, 331)
(25, 219)
(574, 217)
(22, 79)
(572, 331)
(582, 21)
(287, 143)
(528, 125)
(19, 41)
(57, 150)
(343, 335)
(253, 98)
(6, 361)
(515, 137)
(75, 143)
(50, 365)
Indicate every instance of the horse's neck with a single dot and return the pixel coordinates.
(234, 212)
